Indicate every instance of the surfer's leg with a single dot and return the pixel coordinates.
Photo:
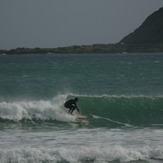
(72, 109)
(69, 110)
(68, 107)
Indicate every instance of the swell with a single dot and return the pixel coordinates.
(101, 110)
(135, 110)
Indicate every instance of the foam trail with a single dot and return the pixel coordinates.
(117, 122)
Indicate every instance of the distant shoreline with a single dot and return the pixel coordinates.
(95, 48)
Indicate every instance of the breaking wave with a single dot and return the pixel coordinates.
(117, 110)
(81, 155)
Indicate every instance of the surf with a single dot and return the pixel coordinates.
(101, 111)
(93, 153)
(41, 110)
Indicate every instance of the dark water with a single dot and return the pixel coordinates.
(122, 95)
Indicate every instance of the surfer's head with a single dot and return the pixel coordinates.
(76, 99)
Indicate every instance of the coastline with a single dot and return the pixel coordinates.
(95, 48)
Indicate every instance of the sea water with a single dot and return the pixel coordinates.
(121, 95)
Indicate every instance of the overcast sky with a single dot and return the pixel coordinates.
(54, 23)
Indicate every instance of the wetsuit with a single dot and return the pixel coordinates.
(71, 105)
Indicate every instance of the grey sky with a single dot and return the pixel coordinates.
(54, 23)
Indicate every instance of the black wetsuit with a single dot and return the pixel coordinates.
(71, 104)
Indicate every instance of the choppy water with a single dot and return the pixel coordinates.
(122, 95)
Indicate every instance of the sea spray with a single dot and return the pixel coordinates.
(33, 110)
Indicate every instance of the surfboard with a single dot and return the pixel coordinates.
(81, 117)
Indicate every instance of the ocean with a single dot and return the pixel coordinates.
(121, 95)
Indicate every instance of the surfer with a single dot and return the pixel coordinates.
(71, 105)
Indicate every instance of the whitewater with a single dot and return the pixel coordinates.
(121, 95)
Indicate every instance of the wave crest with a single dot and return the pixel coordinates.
(110, 110)
(43, 110)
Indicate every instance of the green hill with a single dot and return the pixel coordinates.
(151, 31)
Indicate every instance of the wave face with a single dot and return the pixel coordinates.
(138, 110)
(102, 111)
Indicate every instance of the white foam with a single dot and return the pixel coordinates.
(45, 110)
(82, 153)
(117, 122)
